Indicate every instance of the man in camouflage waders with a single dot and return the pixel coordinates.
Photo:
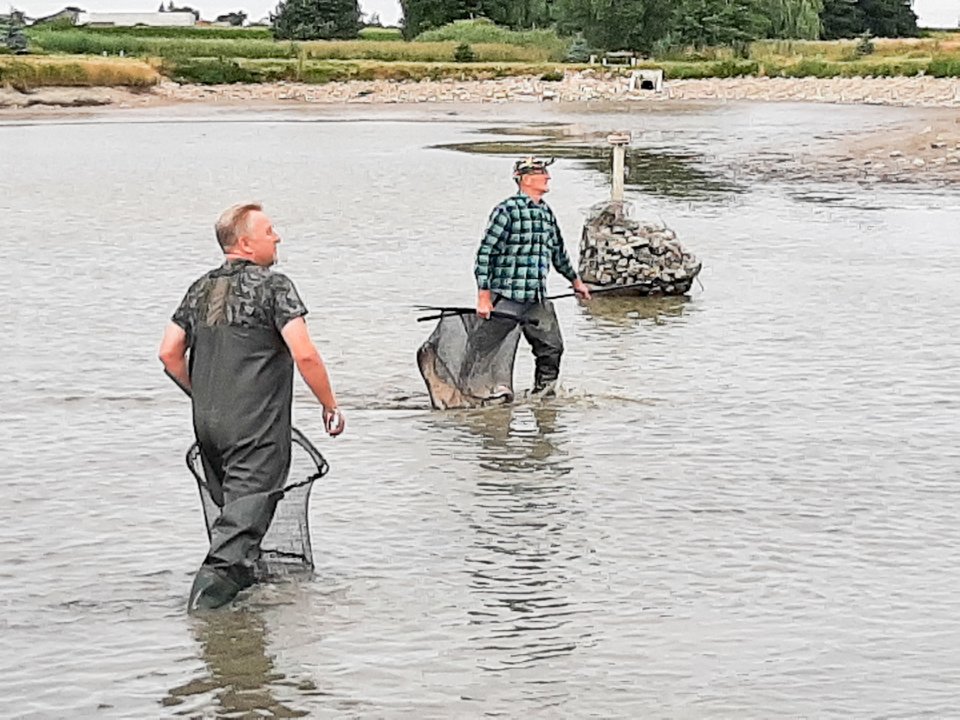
(232, 344)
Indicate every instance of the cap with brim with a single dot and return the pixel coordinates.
(531, 166)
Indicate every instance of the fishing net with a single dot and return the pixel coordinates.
(468, 362)
(286, 548)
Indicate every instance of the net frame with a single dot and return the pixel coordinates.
(286, 547)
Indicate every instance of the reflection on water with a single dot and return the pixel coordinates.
(233, 645)
(670, 174)
(666, 172)
(619, 312)
(513, 438)
(834, 197)
(519, 509)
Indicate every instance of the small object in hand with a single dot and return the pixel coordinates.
(334, 421)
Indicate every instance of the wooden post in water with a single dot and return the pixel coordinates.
(619, 141)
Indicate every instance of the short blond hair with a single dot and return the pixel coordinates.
(232, 223)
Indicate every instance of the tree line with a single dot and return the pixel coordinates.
(638, 25)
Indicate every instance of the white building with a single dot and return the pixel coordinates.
(937, 14)
(130, 19)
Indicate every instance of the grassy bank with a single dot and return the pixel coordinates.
(946, 66)
(215, 71)
(29, 73)
(85, 42)
(79, 71)
(488, 43)
(224, 55)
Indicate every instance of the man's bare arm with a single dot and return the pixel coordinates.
(313, 370)
(173, 355)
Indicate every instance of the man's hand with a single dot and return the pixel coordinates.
(333, 421)
(484, 304)
(582, 291)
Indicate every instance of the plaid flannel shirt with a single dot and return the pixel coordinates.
(521, 241)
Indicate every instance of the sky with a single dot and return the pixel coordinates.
(933, 13)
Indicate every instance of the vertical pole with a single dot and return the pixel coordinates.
(619, 142)
(618, 155)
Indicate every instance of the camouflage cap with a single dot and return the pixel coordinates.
(531, 165)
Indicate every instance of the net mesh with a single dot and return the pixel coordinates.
(468, 362)
(286, 548)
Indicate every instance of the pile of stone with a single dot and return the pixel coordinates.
(617, 250)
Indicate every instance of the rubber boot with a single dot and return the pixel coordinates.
(211, 589)
(544, 384)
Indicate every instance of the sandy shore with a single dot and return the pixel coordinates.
(925, 147)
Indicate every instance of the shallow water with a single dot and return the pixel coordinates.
(743, 503)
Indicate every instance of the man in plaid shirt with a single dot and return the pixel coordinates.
(521, 242)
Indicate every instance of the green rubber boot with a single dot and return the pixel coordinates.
(211, 589)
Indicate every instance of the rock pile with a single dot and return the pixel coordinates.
(617, 250)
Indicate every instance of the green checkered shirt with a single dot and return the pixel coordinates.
(522, 240)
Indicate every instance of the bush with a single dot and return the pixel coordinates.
(865, 46)
(552, 76)
(211, 72)
(464, 54)
(702, 70)
(944, 66)
(810, 68)
(735, 68)
(484, 31)
(579, 51)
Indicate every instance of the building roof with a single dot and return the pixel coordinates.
(130, 19)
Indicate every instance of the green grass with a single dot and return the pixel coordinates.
(806, 68)
(190, 33)
(389, 51)
(216, 71)
(864, 68)
(382, 34)
(84, 42)
(701, 70)
(944, 66)
(784, 52)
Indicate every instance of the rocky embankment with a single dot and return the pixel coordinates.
(582, 86)
(587, 86)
